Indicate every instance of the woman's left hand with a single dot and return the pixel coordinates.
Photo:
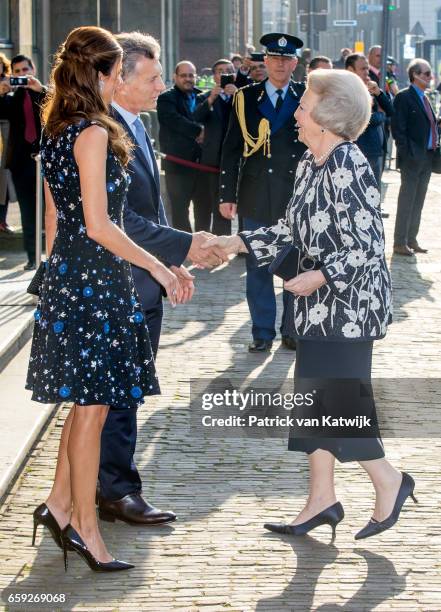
(305, 283)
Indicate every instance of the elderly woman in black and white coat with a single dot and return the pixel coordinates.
(341, 308)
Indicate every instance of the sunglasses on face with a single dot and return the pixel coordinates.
(428, 73)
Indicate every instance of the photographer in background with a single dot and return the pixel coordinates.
(213, 111)
(252, 70)
(21, 96)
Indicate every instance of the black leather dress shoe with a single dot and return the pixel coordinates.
(30, 265)
(289, 343)
(132, 509)
(260, 346)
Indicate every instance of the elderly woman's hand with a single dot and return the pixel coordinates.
(305, 283)
(226, 245)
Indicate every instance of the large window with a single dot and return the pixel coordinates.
(438, 23)
(5, 34)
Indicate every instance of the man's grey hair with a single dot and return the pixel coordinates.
(416, 66)
(136, 45)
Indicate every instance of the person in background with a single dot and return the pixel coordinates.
(320, 61)
(5, 178)
(301, 70)
(372, 141)
(213, 111)
(236, 60)
(21, 107)
(374, 59)
(415, 132)
(259, 159)
(340, 62)
(181, 135)
(252, 70)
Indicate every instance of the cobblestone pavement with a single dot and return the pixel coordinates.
(217, 556)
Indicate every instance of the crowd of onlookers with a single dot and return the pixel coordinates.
(192, 126)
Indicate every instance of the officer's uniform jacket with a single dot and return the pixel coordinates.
(260, 185)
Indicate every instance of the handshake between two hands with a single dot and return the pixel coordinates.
(206, 251)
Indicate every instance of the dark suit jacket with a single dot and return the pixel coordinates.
(215, 120)
(146, 224)
(11, 108)
(177, 128)
(373, 141)
(262, 186)
(410, 126)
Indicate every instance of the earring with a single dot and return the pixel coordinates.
(323, 130)
(101, 85)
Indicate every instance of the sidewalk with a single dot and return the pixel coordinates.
(20, 420)
(217, 556)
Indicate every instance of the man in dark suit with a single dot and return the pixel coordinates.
(373, 141)
(213, 111)
(260, 191)
(22, 109)
(181, 135)
(145, 222)
(415, 132)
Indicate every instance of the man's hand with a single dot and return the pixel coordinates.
(34, 84)
(5, 87)
(230, 245)
(203, 258)
(186, 281)
(228, 209)
(214, 93)
(230, 89)
(200, 139)
(373, 88)
(305, 283)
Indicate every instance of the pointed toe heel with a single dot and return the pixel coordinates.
(331, 516)
(43, 516)
(72, 539)
(375, 527)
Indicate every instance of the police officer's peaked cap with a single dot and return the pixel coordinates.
(281, 44)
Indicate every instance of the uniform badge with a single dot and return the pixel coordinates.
(282, 42)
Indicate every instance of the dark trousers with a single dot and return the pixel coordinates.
(415, 176)
(208, 184)
(377, 165)
(118, 475)
(24, 181)
(4, 211)
(182, 188)
(261, 297)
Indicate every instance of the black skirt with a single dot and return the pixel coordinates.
(341, 373)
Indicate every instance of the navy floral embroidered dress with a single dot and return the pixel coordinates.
(91, 343)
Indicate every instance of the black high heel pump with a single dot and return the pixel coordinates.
(374, 527)
(43, 516)
(72, 541)
(330, 516)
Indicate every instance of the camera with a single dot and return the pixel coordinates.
(226, 79)
(18, 81)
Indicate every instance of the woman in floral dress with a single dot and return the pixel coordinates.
(91, 345)
(340, 309)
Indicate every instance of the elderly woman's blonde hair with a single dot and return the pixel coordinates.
(344, 106)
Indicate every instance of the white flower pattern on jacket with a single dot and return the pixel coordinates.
(334, 216)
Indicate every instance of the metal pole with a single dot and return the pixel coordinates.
(39, 212)
(385, 39)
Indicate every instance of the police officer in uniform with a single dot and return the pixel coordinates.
(259, 160)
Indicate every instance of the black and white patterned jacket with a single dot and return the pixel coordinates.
(334, 216)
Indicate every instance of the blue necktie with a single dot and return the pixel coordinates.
(142, 141)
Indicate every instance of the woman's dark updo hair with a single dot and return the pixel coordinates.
(75, 92)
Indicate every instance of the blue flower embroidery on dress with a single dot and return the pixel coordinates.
(90, 343)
